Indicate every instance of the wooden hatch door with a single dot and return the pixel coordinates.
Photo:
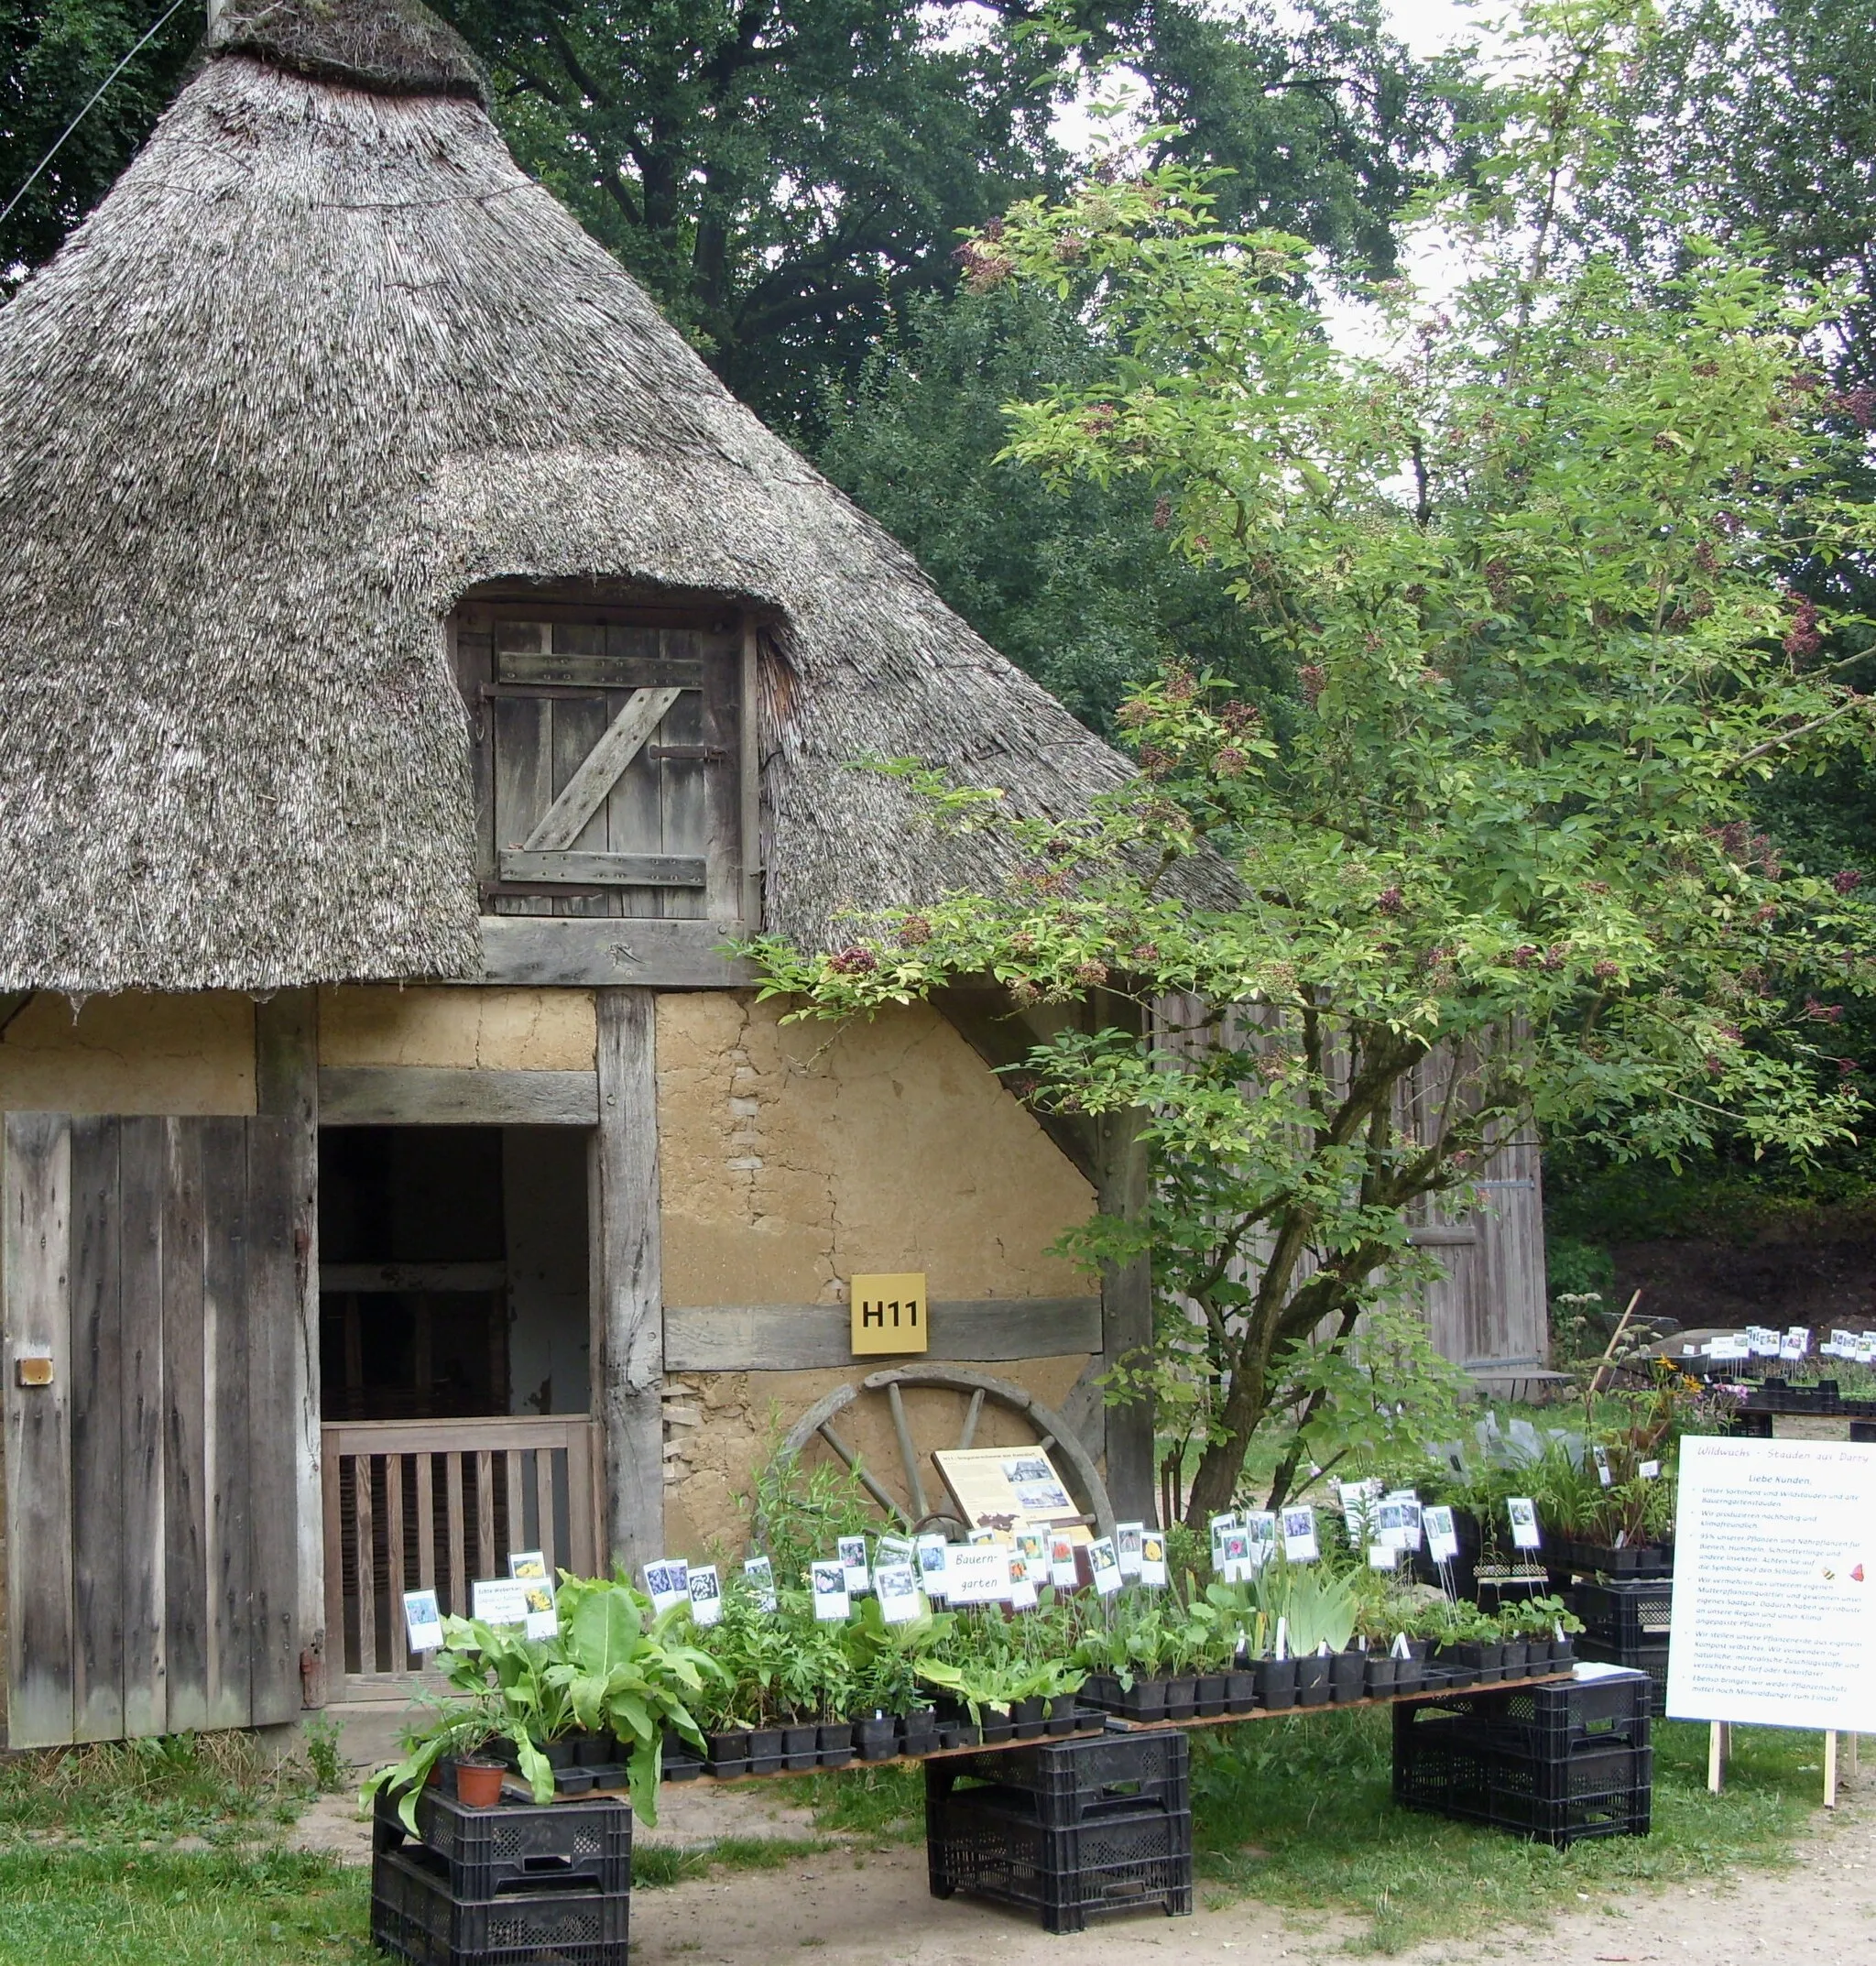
(151, 1385)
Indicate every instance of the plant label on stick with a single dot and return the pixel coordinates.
(527, 1563)
(1380, 1557)
(1236, 1569)
(832, 1604)
(1650, 1470)
(759, 1572)
(1062, 1570)
(1033, 1547)
(543, 1621)
(1153, 1560)
(1442, 1538)
(1298, 1536)
(892, 1549)
(896, 1585)
(1127, 1537)
(1600, 1455)
(424, 1624)
(1280, 1645)
(500, 1600)
(1411, 1515)
(1522, 1512)
(706, 1595)
(977, 1573)
(1260, 1533)
(852, 1551)
(667, 1582)
(1104, 1563)
(934, 1564)
(1022, 1593)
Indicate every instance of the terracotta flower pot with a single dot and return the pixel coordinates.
(479, 1783)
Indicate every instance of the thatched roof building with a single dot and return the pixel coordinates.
(324, 360)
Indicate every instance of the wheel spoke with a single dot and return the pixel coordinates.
(970, 1420)
(907, 1453)
(866, 1480)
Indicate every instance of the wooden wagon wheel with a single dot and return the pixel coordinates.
(1052, 1433)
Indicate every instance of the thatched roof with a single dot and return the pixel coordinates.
(324, 360)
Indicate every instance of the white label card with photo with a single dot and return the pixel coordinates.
(706, 1595)
(500, 1600)
(1022, 1593)
(527, 1563)
(934, 1565)
(1127, 1537)
(1153, 1560)
(1298, 1536)
(667, 1582)
(1442, 1538)
(896, 1585)
(759, 1573)
(1522, 1512)
(1062, 1572)
(832, 1604)
(1261, 1532)
(852, 1551)
(423, 1623)
(1104, 1563)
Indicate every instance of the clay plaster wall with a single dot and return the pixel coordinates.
(791, 1157)
(130, 1053)
(488, 1029)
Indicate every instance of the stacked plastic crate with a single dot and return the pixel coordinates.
(1069, 1830)
(500, 1886)
(1559, 1764)
(1626, 1623)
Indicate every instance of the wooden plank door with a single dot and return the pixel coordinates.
(152, 1570)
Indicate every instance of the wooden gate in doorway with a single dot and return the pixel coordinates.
(421, 1505)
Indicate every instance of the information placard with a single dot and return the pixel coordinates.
(1774, 1594)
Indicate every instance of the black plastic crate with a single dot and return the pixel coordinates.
(1626, 1614)
(1071, 1781)
(989, 1842)
(1557, 1718)
(1650, 1659)
(414, 1917)
(517, 1846)
(1443, 1765)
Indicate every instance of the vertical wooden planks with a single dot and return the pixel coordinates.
(144, 1166)
(185, 1431)
(629, 1367)
(364, 1564)
(226, 1471)
(332, 1500)
(36, 1256)
(523, 781)
(458, 1600)
(543, 1505)
(578, 723)
(750, 775)
(634, 818)
(484, 1512)
(683, 814)
(97, 1436)
(287, 1087)
(271, 1440)
(395, 1580)
(721, 724)
(516, 1504)
(426, 1524)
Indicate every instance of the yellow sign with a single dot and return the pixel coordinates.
(890, 1313)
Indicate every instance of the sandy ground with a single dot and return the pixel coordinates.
(860, 1907)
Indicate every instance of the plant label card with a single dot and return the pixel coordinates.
(983, 1535)
(1127, 1537)
(832, 1604)
(667, 1582)
(1298, 1536)
(1410, 1517)
(1522, 1512)
(1600, 1455)
(1354, 1499)
(706, 1595)
(543, 1618)
(1022, 1593)
(852, 1552)
(1221, 1526)
(1866, 1348)
(1773, 1620)
(1391, 1526)
(934, 1564)
(499, 1599)
(977, 1573)
(423, 1623)
(1650, 1470)
(527, 1563)
(759, 1573)
(1104, 1563)
(1761, 1342)
(1033, 1549)
(1442, 1538)
(1260, 1531)
(1153, 1560)
(891, 1550)
(1063, 1573)
(1380, 1557)
(1236, 1569)
(896, 1585)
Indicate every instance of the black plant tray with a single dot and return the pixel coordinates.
(517, 1846)
(415, 1917)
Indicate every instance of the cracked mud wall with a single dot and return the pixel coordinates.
(486, 1030)
(130, 1053)
(791, 1157)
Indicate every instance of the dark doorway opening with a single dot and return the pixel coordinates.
(453, 1271)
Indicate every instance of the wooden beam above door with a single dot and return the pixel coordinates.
(448, 1095)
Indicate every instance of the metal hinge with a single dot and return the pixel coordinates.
(712, 754)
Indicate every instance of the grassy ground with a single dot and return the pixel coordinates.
(1294, 1813)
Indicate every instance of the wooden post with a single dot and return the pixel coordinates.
(1720, 1741)
(628, 1310)
(1595, 1382)
(285, 1086)
(1830, 1768)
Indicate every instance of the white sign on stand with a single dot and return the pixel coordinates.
(1774, 1593)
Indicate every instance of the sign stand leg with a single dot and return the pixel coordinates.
(1849, 1743)
(1720, 1741)
(1830, 1769)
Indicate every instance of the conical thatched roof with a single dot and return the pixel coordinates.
(324, 359)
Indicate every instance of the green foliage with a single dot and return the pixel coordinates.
(799, 1514)
(1503, 868)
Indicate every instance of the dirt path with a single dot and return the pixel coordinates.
(861, 1907)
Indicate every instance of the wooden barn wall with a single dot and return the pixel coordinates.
(792, 1157)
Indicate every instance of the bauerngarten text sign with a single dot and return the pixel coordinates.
(1774, 1599)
